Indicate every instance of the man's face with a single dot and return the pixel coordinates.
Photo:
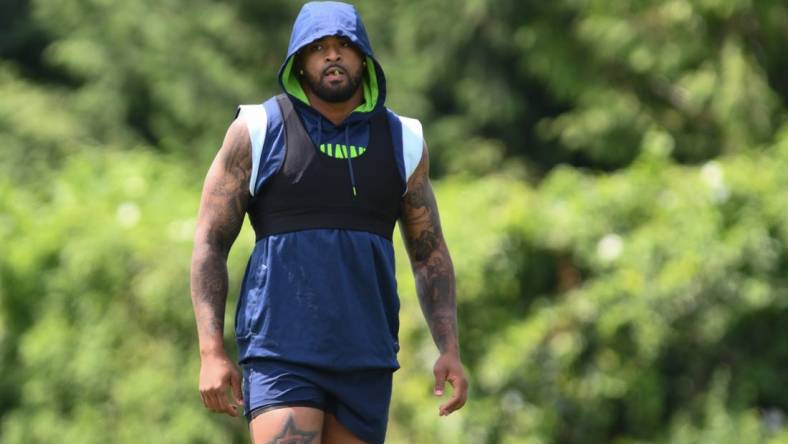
(333, 68)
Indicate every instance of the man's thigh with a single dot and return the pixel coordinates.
(301, 425)
(336, 433)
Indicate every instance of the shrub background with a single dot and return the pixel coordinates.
(611, 178)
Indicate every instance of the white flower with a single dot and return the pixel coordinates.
(128, 214)
(609, 247)
(712, 174)
(714, 177)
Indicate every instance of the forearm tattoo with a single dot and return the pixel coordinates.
(432, 266)
(222, 208)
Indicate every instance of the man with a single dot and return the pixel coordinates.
(324, 171)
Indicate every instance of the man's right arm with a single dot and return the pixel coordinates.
(225, 196)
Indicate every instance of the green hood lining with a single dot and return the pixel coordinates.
(369, 85)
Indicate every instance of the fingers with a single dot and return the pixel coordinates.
(459, 395)
(209, 400)
(235, 385)
(440, 378)
(225, 405)
(216, 398)
(449, 368)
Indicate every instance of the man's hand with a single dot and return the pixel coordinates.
(449, 368)
(217, 375)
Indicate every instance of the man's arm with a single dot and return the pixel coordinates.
(224, 199)
(434, 273)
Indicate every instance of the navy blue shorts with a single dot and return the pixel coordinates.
(359, 399)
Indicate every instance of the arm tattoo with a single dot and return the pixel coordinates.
(432, 266)
(224, 200)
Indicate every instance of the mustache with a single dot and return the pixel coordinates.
(334, 66)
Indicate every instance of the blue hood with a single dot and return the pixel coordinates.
(321, 19)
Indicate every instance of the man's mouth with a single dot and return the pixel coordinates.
(333, 72)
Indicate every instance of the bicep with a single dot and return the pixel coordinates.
(225, 193)
(420, 221)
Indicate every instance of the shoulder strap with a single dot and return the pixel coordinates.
(285, 105)
(256, 120)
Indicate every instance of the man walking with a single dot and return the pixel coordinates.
(324, 171)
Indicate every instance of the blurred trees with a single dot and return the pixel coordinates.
(610, 177)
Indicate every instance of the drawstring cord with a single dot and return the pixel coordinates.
(349, 162)
(319, 132)
(346, 151)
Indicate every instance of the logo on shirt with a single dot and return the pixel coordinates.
(339, 151)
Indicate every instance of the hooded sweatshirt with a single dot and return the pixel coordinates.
(324, 297)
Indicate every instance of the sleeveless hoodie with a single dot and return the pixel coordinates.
(319, 288)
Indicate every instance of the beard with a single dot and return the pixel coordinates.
(334, 93)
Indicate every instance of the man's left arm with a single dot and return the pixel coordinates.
(434, 273)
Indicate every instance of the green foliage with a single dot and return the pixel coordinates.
(658, 277)
(95, 292)
(609, 173)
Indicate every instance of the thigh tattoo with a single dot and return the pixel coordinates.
(290, 434)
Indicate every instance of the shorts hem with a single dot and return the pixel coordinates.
(259, 410)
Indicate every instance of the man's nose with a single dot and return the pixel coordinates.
(333, 53)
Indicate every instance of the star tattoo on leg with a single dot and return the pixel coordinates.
(291, 435)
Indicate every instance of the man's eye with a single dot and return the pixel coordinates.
(317, 47)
